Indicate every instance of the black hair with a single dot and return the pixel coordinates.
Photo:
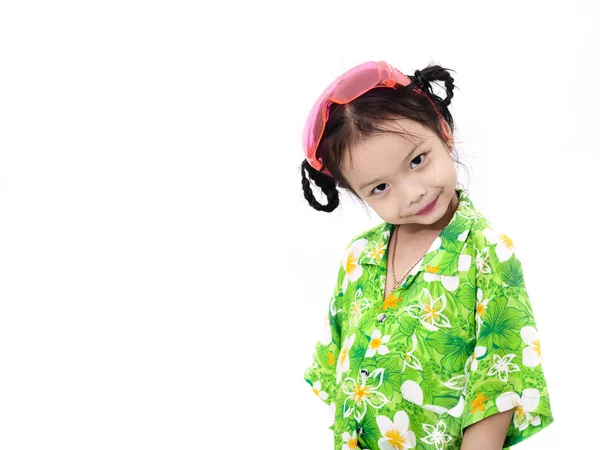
(360, 118)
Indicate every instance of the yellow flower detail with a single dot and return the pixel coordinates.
(375, 343)
(351, 263)
(480, 309)
(507, 241)
(360, 393)
(478, 403)
(391, 301)
(395, 438)
(344, 355)
(377, 252)
(330, 359)
(432, 312)
(353, 443)
(520, 411)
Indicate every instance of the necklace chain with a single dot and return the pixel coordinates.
(397, 283)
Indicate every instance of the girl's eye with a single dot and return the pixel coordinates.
(418, 160)
(378, 186)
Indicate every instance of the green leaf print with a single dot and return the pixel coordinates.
(454, 348)
(493, 390)
(464, 295)
(407, 325)
(369, 425)
(511, 272)
(502, 326)
(391, 376)
(450, 234)
(450, 260)
(358, 350)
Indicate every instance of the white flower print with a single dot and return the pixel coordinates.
(481, 309)
(504, 245)
(429, 311)
(350, 262)
(409, 359)
(468, 212)
(376, 251)
(436, 435)
(363, 392)
(396, 434)
(332, 306)
(457, 410)
(464, 262)
(332, 412)
(358, 306)
(459, 383)
(456, 383)
(477, 354)
(524, 406)
(437, 243)
(325, 337)
(416, 269)
(350, 441)
(480, 262)
(532, 355)
(502, 367)
(450, 282)
(343, 362)
(412, 392)
(377, 344)
(318, 392)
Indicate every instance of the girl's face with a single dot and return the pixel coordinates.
(399, 180)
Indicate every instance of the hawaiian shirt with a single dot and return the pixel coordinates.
(455, 343)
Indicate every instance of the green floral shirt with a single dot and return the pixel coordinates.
(454, 344)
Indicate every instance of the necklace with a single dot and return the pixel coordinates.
(396, 284)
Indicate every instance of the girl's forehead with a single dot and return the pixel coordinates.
(376, 152)
(399, 134)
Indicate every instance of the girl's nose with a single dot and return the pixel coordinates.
(412, 196)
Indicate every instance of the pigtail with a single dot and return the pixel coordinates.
(325, 182)
(423, 79)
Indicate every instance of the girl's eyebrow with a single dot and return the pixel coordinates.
(377, 180)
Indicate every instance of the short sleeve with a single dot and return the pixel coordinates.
(506, 370)
(321, 374)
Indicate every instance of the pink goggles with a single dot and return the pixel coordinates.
(347, 87)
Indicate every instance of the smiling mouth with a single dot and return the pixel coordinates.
(429, 207)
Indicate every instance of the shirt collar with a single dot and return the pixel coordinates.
(443, 256)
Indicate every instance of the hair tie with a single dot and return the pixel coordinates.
(422, 82)
(417, 77)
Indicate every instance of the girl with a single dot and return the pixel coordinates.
(430, 341)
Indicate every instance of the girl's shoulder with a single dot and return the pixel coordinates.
(482, 231)
(380, 232)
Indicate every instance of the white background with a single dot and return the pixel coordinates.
(162, 279)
